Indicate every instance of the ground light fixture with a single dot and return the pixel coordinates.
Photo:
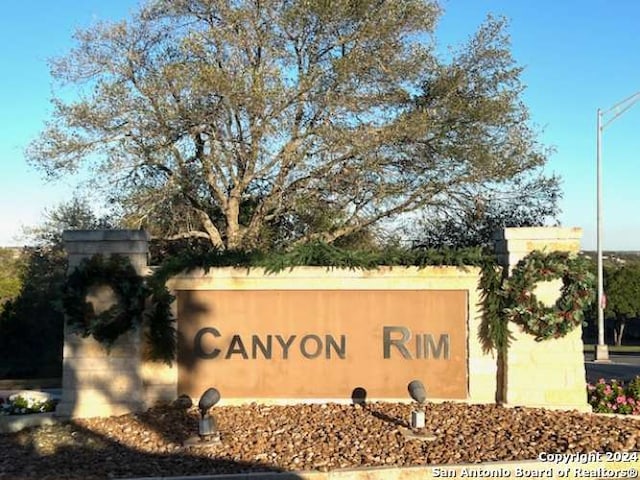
(208, 433)
(207, 424)
(419, 394)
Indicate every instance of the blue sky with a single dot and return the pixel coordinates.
(578, 56)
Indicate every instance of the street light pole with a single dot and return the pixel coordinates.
(602, 350)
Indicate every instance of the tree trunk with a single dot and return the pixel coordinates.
(210, 228)
(618, 331)
(233, 223)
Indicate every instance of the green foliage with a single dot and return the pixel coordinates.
(315, 253)
(494, 331)
(75, 214)
(576, 295)
(148, 303)
(615, 397)
(622, 288)
(20, 402)
(261, 124)
(623, 291)
(22, 405)
(511, 298)
(161, 332)
(621, 277)
(31, 323)
(424, 257)
(529, 204)
(502, 299)
(12, 265)
(321, 254)
(126, 313)
(139, 303)
(634, 388)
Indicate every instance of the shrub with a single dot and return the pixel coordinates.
(615, 397)
(634, 387)
(23, 405)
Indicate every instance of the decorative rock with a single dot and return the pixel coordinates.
(184, 402)
(305, 437)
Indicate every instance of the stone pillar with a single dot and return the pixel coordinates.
(97, 382)
(548, 373)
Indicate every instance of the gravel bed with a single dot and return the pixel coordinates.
(303, 437)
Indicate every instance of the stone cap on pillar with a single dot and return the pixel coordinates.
(537, 233)
(514, 243)
(91, 236)
(80, 244)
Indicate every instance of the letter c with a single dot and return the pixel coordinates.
(197, 343)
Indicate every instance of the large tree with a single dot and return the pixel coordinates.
(475, 222)
(31, 323)
(11, 266)
(622, 287)
(244, 120)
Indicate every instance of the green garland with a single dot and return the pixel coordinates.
(127, 313)
(162, 338)
(147, 302)
(321, 254)
(161, 333)
(568, 311)
(494, 332)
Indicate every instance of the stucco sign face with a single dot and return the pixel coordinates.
(322, 343)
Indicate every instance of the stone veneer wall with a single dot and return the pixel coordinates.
(550, 373)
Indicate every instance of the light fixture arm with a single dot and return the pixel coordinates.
(619, 108)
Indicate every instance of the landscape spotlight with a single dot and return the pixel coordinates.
(419, 395)
(208, 400)
(207, 425)
(417, 391)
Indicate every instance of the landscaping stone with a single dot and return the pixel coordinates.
(309, 437)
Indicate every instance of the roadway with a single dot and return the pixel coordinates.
(622, 367)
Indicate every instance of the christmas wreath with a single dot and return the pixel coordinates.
(568, 312)
(126, 313)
